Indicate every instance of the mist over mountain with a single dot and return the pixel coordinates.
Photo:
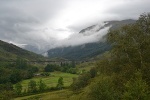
(40, 25)
(93, 46)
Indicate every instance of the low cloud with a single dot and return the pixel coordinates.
(46, 24)
(83, 38)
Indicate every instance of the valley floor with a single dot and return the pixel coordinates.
(55, 95)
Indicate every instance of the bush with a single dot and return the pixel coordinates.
(103, 90)
(49, 68)
(80, 82)
(45, 74)
(136, 89)
(60, 83)
(32, 86)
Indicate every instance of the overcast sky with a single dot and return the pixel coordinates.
(47, 22)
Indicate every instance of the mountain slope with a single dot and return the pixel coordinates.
(79, 52)
(88, 50)
(11, 52)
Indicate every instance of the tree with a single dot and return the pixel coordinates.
(73, 64)
(21, 63)
(41, 85)
(15, 76)
(60, 83)
(18, 88)
(131, 48)
(49, 68)
(93, 72)
(103, 89)
(32, 86)
(80, 82)
(136, 88)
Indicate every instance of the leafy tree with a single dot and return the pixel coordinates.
(18, 88)
(72, 70)
(103, 90)
(73, 64)
(93, 72)
(32, 86)
(7, 95)
(130, 52)
(41, 85)
(49, 68)
(6, 86)
(45, 74)
(21, 63)
(33, 69)
(131, 43)
(15, 76)
(60, 83)
(136, 88)
(80, 82)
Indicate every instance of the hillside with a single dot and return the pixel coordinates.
(11, 52)
(79, 52)
(88, 50)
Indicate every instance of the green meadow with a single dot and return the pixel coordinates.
(52, 80)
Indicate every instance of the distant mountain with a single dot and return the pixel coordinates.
(114, 25)
(88, 50)
(79, 52)
(32, 49)
(11, 52)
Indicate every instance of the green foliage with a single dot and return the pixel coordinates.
(9, 52)
(6, 91)
(136, 88)
(6, 95)
(21, 63)
(80, 82)
(41, 85)
(60, 84)
(130, 52)
(18, 88)
(32, 86)
(49, 68)
(93, 72)
(72, 70)
(6, 86)
(45, 74)
(103, 89)
(15, 76)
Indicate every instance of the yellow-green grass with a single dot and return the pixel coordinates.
(85, 66)
(55, 95)
(52, 80)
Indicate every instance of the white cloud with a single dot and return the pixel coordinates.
(49, 23)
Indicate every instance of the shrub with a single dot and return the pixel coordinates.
(103, 90)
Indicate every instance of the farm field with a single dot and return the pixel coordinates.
(52, 80)
(55, 95)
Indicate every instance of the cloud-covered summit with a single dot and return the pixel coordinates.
(45, 24)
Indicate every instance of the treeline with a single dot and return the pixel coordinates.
(63, 67)
(124, 72)
(35, 87)
(11, 73)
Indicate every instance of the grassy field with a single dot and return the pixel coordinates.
(85, 66)
(51, 81)
(55, 95)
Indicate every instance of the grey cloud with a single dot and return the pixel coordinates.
(129, 9)
(25, 21)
